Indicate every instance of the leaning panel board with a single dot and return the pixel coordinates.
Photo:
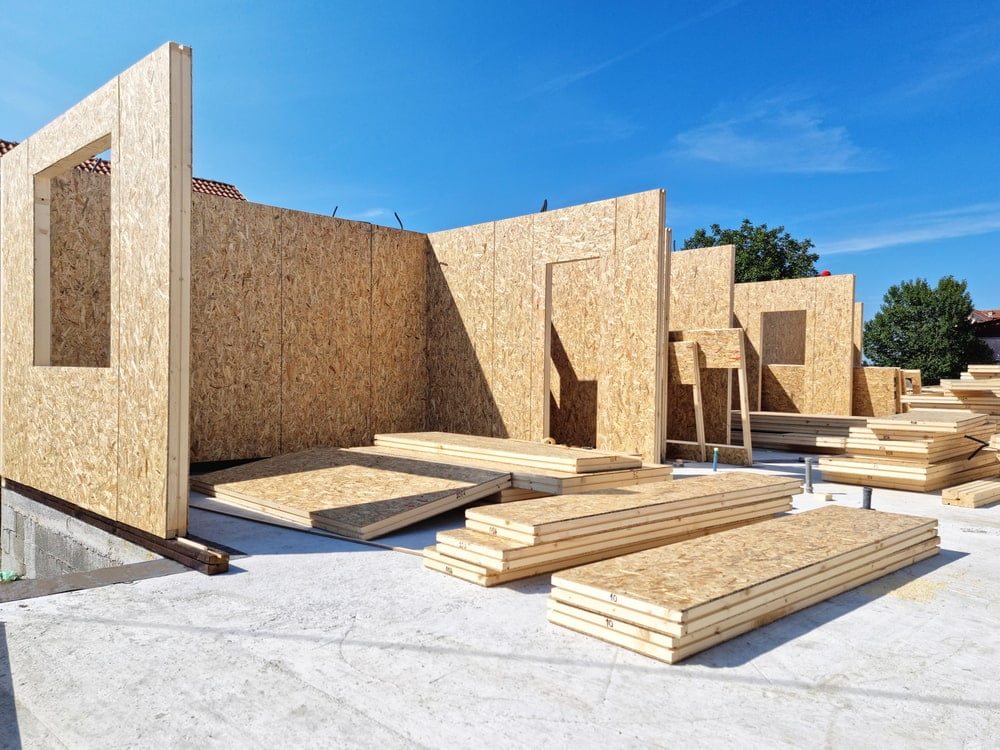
(692, 586)
(525, 452)
(351, 492)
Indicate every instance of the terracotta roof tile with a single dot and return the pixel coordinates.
(198, 184)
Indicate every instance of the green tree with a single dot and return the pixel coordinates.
(919, 327)
(762, 254)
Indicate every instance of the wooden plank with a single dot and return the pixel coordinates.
(351, 492)
(689, 579)
(524, 452)
(972, 494)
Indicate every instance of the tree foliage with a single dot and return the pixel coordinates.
(919, 327)
(762, 254)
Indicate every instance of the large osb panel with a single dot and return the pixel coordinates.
(701, 296)
(829, 303)
(575, 365)
(326, 331)
(859, 332)
(634, 346)
(235, 330)
(460, 330)
(875, 391)
(80, 254)
(399, 330)
(109, 439)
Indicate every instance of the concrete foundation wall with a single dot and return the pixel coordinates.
(40, 542)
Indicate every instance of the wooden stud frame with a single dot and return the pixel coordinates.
(111, 440)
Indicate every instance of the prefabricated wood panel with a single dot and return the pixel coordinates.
(460, 330)
(783, 388)
(326, 331)
(112, 439)
(575, 353)
(398, 332)
(236, 374)
(829, 305)
(783, 337)
(874, 393)
(701, 296)
(859, 333)
(80, 257)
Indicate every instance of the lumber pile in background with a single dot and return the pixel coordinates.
(801, 433)
(922, 450)
(973, 494)
(503, 543)
(671, 602)
(976, 389)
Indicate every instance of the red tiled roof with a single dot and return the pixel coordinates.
(198, 184)
(984, 316)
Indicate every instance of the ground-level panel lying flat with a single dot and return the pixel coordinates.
(670, 602)
(351, 492)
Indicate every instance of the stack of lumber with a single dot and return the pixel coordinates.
(921, 450)
(536, 469)
(503, 543)
(976, 389)
(671, 602)
(973, 494)
(800, 433)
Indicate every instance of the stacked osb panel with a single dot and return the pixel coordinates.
(500, 303)
(824, 385)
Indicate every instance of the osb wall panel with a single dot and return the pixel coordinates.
(479, 340)
(875, 391)
(460, 273)
(575, 353)
(108, 439)
(235, 329)
(783, 389)
(859, 332)
(701, 296)
(829, 300)
(399, 299)
(80, 256)
(783, 337)
(326, 332)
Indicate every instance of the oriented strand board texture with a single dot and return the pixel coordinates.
(80, 252)
(486, 321)
(347, 490)
(829, 304)
(712, 569)
(326, 332)
(874, 392)
(783, 388)
(235, 330)
(859, 332)
(783, 337)
(701, 296)
(112, 440)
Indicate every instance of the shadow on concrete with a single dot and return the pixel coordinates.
(744, 648)
(10, 735)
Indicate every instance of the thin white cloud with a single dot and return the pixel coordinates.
(374, 213)
(965, 221)
(565, 80)
(774, 136)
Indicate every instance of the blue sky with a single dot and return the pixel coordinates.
(872, 128)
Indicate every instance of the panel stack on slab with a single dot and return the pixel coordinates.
(973, 494)
(350, 491)
(804, 433)
(505, 542)
(976, 389)
(918, 450)
(671, 602)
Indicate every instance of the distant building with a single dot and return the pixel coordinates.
(986, 324)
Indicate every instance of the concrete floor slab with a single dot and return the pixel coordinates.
(317, 642)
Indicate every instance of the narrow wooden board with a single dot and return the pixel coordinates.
(524, 452)
(682, 581)
(349, 492)
(555, 514)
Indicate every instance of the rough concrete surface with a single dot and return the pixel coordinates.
(316, 642)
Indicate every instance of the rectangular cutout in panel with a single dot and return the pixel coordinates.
(72, 260)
